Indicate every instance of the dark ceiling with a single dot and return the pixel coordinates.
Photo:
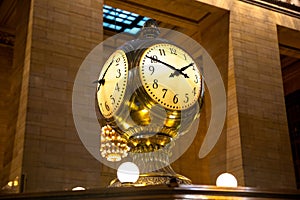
(188, 17)
(7, 22)
(7, 16)
(289, 46)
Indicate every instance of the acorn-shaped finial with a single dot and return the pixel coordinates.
(150, 29)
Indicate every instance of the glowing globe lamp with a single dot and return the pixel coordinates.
(128, 172)
(226, 180)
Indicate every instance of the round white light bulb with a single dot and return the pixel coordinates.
(128, 172)
(226, 180)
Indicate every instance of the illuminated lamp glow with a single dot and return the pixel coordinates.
(226, 180)
(128, 172)
(78, 188)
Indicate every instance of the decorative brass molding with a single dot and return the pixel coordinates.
(7, 39)
(278, 6)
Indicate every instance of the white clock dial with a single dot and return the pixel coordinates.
(170, 76)
(112, 83)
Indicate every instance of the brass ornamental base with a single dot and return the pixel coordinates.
(154, 178)
(155, 169)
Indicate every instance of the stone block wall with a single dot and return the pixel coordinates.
(53, 38)
(266, 148)
(63, 33)
(261, 125)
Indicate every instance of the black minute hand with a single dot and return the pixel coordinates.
(170, 66)
(102, 80)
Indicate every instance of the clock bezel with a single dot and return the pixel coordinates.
(200, 91)
(123, 87)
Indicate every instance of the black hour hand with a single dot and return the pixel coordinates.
(101, 82)
(176, 73)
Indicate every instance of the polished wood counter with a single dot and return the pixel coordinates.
(161, 192)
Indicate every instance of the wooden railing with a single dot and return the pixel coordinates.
(160, 192)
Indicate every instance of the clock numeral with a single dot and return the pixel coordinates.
(186, 98)
(119, 73)
(118, 61)
(173, 51)
(162, 52)
(155, 84)
(184, 56)
(196, 81)
(165, 92)
(175, 99)
(154, 57)
(106, 106)
(194, 91)
(112, 99)
(151, 69)
(117, 87)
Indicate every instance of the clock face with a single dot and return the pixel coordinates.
(112, 83)
(170, 76)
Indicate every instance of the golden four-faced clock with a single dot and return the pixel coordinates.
(112, 83)
(170, 76)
